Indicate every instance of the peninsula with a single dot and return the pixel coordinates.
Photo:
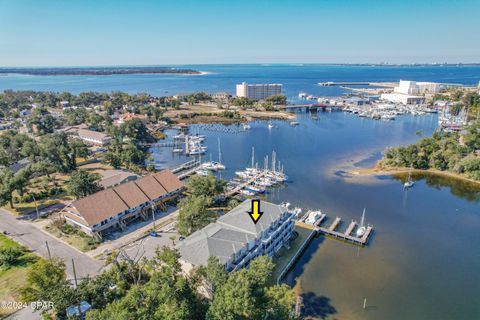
(95, 71)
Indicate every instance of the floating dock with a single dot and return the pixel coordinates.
(244, 184)
(347, 235)
(332, 229)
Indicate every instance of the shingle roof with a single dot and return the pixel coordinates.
(131, 194)
(116, 177)
(151, 187)
(228, 234)
(100, 206)
(168, 180)
(237, 219)
(110, 202)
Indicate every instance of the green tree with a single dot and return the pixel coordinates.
(247, 295)
(194, 214)
(207, 186)
(46, 281)
(82, 183)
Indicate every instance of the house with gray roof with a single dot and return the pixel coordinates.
(235, 239)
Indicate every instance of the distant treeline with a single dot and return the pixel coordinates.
(97, 71)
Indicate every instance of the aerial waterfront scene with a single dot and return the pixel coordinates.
(164, 160)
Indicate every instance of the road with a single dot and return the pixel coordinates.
(31, 237)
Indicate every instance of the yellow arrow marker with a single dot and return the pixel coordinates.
(255, 213)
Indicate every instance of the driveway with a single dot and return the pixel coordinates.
(31, 237)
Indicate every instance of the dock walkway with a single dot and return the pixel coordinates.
(244, 184)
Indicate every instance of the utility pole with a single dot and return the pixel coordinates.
(153, 216)
(74, 273)
(48, 250)
(36, 206)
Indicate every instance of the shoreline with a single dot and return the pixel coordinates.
(378, 171)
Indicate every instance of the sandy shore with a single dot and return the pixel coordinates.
(392, 171)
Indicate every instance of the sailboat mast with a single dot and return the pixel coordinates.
(274, 160)
(362, 223)
(219, 152)
(253, 157)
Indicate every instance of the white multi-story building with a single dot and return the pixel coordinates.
(416, 88)
(258, 91)
(235, 240)
(402, 98)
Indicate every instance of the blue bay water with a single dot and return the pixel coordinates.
(423, 261)
(295, 78)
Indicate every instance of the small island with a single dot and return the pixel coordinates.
(95, 71)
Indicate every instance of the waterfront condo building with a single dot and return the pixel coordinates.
(258, 91)
(235, 239)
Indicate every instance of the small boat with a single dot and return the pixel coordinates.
(294, 123)
(409, 183)
(213, 165)
(313, 217)
(302, 95)
(247, 193)
(255, 189)
(270, 126)
(362, 229)
(177, 150)
(202, 172)
(246, 126)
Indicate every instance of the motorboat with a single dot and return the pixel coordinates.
(202, 172)
(255, 189)
(247, 193)
(246, 126)
(177, 150)
(213, 165)
(313, 216)
(294, 123)
(270, 126)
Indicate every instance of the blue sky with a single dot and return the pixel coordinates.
(70, 33)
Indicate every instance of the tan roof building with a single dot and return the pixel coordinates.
(114, 207)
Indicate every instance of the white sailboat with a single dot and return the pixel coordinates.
(409, 183)
(214, 165)
(362, 229)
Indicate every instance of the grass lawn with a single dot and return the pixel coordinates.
(72, 236)
(12, 279)
(285, 254)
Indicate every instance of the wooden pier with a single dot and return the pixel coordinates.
(186, 165)
(347, 235)
(186, 169)
(331, 230)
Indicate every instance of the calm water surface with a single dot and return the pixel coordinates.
(423, 261)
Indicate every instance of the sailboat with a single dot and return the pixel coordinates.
(214, 165)
(362, 229)
(409, 183)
